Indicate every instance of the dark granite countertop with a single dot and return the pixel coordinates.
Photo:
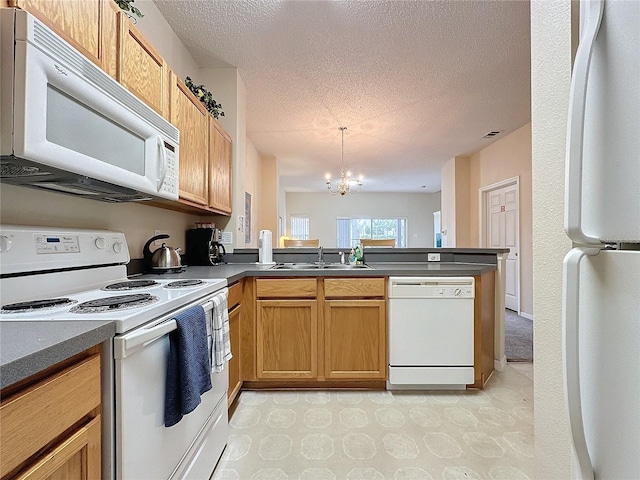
(236, 271)
(28, 347)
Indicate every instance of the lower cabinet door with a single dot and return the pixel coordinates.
(76, 458)
(235, 366)
(355, 339)
(287, 339)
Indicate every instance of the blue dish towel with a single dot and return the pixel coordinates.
(188, 365)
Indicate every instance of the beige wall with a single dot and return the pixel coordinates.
(455, 202)
(323, 209)
(550, 79)
(27, 206)
(252, 187)
(448, 203)
(463, 171)
(156, 29)
(507, 158)
(269, 189)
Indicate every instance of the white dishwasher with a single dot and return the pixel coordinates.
(431, 332)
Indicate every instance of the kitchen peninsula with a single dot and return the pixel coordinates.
(242, 268)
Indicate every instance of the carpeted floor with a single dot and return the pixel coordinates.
(385, 435)
(518, 337)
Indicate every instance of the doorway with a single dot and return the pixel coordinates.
(500, 228)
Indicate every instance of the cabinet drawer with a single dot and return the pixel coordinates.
(353, 287)
(235, 295)
(286, 288)
(32, 419)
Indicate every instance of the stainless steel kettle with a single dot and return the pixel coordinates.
(164, 257)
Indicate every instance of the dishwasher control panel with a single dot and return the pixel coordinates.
(431, 287)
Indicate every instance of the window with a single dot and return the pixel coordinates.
(299, 227)
(351, 230)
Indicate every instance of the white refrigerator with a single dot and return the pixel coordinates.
(601, 288)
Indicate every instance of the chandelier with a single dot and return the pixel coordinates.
(346, 183)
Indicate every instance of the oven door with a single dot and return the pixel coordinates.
(144, 447)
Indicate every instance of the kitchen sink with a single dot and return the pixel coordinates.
(317, 266)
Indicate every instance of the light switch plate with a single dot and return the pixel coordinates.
(227, 238)
(433, 257)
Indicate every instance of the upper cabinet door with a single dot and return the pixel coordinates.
(190, 117)
(78, 21)
(141, 69)
(110, 25)
(220, 165)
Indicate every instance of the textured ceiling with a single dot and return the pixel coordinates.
(415, 82)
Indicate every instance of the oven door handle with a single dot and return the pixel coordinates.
(129, 343)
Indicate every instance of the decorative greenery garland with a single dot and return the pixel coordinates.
(126, 6)
(205, 97)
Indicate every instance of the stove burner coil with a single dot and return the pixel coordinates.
(118, 302)
(131, 285)
(36, 305)
(184, 283)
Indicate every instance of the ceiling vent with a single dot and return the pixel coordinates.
(491, 134)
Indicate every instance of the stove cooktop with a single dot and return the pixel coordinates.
(129, 303)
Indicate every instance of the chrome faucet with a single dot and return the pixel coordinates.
(320, 255)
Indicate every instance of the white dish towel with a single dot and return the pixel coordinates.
(221, 351)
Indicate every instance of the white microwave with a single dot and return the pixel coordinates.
(67, 126)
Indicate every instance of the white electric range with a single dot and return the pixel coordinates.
(62, 274)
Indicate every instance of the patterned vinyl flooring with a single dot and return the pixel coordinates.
(378, 435)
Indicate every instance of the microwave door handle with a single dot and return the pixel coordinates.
(163, 155)
(575, 127)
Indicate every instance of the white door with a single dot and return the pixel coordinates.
(502, 230)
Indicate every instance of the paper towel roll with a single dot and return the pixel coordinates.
(265, 247)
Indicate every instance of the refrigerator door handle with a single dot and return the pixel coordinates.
(571, 350)
(575, 125)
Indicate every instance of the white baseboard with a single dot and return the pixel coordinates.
(528, 316)
(500, 365)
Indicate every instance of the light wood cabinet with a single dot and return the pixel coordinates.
(142, 70)
(190, 117)
(105, 35)
(484, 328)
(287, 338)
(355, 328)
(321, 329)
(355, 339)
(50, 425)
(220, 165)
(77, 21)
(235, 329)
(111, 23)
(286, 328)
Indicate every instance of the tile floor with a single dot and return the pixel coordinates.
(358, 435)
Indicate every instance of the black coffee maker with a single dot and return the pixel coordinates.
(204, 247)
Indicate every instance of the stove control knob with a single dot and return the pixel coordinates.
(101, 243)
(117, 247)
(5, 243)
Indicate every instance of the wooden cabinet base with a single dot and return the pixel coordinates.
(314, 384)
